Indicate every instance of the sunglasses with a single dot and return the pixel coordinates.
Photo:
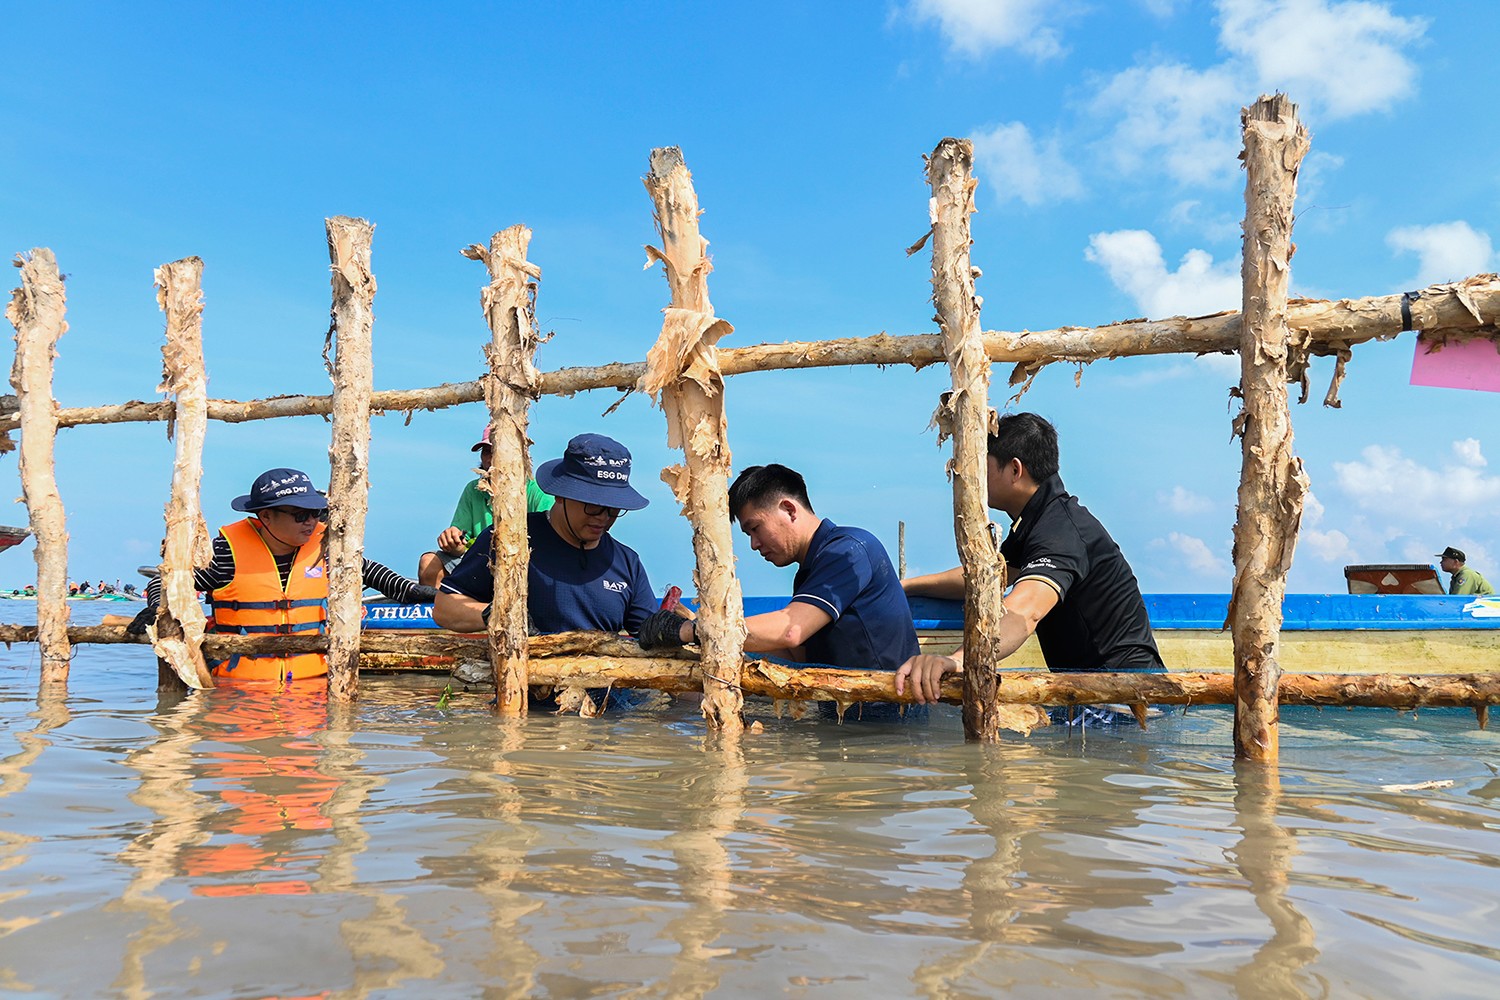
(594, 510)
(299, 514)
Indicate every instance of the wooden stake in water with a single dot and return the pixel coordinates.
(965, 414)
(509, 302)
(1272, 483)
(180, 622)
(37, 310)
(350, 337)
(682, 371)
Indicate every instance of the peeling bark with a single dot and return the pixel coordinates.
(350, 335)
(682, 373)
(1272, 483)
(509, 302)
(180, 623)
(37, 310)
(965, 412)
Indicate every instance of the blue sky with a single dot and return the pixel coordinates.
(1106, 137)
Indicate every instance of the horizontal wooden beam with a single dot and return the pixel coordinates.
(596, 659)
(1460, 309)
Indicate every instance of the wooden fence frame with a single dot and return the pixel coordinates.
(1275, 337)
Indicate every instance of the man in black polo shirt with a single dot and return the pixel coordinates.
(1071, 584)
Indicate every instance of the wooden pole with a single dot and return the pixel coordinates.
(351, 337)
(1272, 483)
(1455, 310)
(37, 310)
(682, 370)
(180, 623)
(965, 413)
(509, 302)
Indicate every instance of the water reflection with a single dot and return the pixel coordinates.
(235, 845)
(704, 868)
(1264, 858)
(15, 774)
(388, 952)
(165, 769)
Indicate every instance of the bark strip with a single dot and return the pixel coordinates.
(1450, 311)
(180, 622)
(37, 310)
(966, 415)
(509, 302)
(351, 336)
(682, 373)
(1272, 483)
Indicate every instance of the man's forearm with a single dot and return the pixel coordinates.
(458, 613)
(948, 584)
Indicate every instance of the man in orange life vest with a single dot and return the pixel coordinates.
(268, 575)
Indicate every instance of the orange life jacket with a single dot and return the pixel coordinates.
(255, 602)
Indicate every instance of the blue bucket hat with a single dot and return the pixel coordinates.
(280, 488)
(595, 470)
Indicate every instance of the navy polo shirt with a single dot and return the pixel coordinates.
(1100, 620)
(847, 574)
(602, 589)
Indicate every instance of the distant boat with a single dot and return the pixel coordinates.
(12, 536)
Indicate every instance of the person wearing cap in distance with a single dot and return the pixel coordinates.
(1463, 579)
(579, 577)
(472, 515)
(269, 575)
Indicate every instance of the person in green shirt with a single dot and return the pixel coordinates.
(470, 517)
(1463, 580)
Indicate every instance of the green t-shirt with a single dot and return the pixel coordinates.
(1469, 581)
(473, 513)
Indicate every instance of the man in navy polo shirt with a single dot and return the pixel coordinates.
(1072, 585)
(847, 608)
(579, 577)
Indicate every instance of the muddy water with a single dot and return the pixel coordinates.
(245, 844)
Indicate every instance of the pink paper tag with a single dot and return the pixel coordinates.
(1473, 364)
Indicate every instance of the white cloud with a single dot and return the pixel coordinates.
(1469, 454)
(1385, 481)
(1192, 215)
(1017, 167)
(1174, 117)
(1330, 546)
(978, 27)
(1344, 58)
(1184, 501)
(1445, 251)
(1133, 260)
(1316, 168)
(1195, 555)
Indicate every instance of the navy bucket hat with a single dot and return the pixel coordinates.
(594, 470)
(280, 488)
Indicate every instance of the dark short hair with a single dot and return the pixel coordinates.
(761, 485)
(1031, 439)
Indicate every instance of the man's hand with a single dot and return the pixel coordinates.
(452, 541)
(925, 673)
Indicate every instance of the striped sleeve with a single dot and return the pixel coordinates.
(217, 574)
(390, 583)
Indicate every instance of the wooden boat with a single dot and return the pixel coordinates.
(1321, 633)
(12, 536)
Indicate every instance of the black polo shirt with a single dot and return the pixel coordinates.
(1100, 620)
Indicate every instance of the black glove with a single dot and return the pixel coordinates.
(421, 594)
(138, 624)
(663, 630)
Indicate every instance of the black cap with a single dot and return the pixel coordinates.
(1451, 553)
